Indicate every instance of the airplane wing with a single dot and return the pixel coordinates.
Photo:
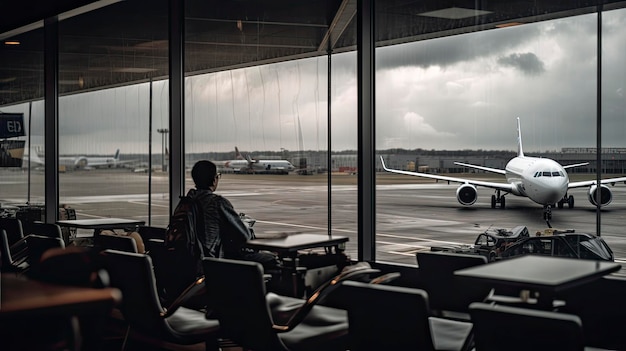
(585, 183)
(493, 185)
(576, 165)
(493, 170)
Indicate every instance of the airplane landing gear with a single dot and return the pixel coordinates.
(497, 198)
(547, 214)
(566, 199)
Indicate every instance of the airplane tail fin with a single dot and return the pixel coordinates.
(117, 154)
(34, 157)
(520, 151)
(238, 154)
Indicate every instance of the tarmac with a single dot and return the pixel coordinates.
(413, 214)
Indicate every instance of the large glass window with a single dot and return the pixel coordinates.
(613, 124)
(113, 105)
(457, 99)
(21, 94)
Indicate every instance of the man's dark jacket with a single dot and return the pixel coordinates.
(224, 231)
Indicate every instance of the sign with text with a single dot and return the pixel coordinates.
(11, 125)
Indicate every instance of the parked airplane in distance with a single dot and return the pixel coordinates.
(542, 180)
(247, 164)
(81, 162)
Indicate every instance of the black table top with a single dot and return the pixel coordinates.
(100, 223)
(295, 242)
(546, 273)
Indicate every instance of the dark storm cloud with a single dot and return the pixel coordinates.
(448, 51)
(528, 63)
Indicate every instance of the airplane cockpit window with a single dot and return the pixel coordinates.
(547, 174)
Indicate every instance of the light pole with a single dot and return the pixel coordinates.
(163, 132)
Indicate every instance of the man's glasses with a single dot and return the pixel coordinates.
(218, 175)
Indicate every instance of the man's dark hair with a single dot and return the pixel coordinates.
(203, 174)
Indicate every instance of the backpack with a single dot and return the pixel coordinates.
(183, 250)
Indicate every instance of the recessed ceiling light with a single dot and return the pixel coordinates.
(11, 42)
(455, 13)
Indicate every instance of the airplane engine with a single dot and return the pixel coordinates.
(605, 196)
(80, 163)
(466, 194)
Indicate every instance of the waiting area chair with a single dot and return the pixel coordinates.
(261, 321)
(44, 229)
(449, 295)
(387, 317)
(601, 307)
(498, 328)
(106, 240)
(141, 308)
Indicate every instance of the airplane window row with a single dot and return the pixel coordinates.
(549, 174)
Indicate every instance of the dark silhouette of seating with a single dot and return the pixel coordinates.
(498, 327)
(600, 305)
(387, 317)
(447, 292)
(45, 229)
(141, 308)
(115, 242)
(261, 321)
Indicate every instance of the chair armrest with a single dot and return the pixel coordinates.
(385, 278)
(357, 270)
(195, 288)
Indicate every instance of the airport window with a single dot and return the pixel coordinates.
(108, 138)
(448, 91)
(463, 105)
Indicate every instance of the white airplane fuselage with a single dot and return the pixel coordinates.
(542, 180)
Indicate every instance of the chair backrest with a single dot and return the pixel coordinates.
(498, 327)
(38, 244)
(149, 232)
(237, 290)
(446, 291)
(116, 242)
(385, 317)
(14, 229)
(5, 252)
(599, 304)
(45, 229)
(132, 273)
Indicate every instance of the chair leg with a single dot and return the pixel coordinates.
(125, 338)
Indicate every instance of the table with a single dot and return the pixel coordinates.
(544, 275)
(29, 307)
(287, 249)
(21, 297)
(291, 244)
(100, 224)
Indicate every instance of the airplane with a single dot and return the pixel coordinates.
(89, 162)
(247, 164)
(542, 180)
(81, 162)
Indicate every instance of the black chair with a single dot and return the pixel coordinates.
(115, 242)
(8, 263)
(449, 295)
(37, 245)
(498, 327)
(147, 320)
(386, 317)
(256, 320)
(14, 229)
(601, 306)
(153, 237)
(45, 229)
(14, 237)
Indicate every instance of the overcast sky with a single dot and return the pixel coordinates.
(460, 92)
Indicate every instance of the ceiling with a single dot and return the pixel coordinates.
(127, 41)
